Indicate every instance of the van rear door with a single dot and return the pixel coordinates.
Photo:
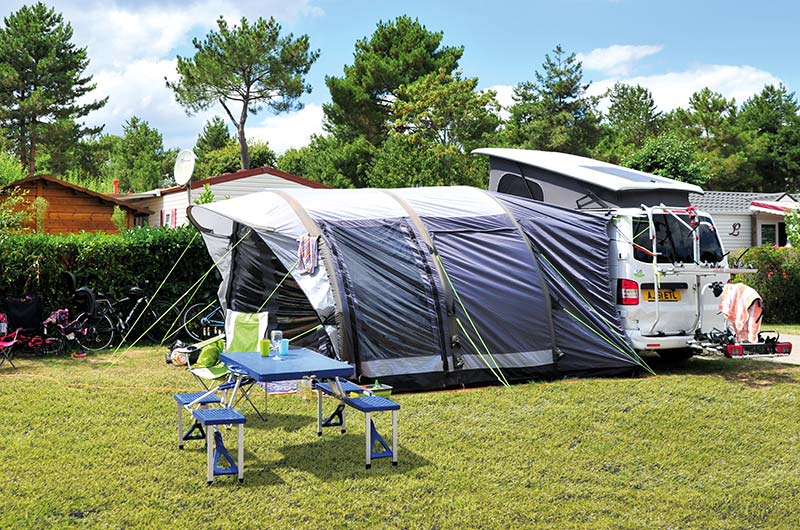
(668, 303)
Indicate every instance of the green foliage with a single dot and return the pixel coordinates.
(10, 169)
(669, 156)
(13, 213)
(792, 219)
(227, 159)
(707, 445)
(400, 163)
(43, 86)
(137, 157)
(632, 119)
(38, 208)
(33, 263)
(215, 136)
(250, 66)
(120, 219)
(398, 53)
(332, 161)
(777, 281)
(554, 113)
(771, 126)
(206, 196)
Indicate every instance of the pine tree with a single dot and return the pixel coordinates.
(42, 81)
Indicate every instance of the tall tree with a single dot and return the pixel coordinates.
(215, 135)
(632, 113)
(42, 80)
(138, 155)
(250, 66)
(554, 112)
(438, 119)
(397, 53)
(771, 126)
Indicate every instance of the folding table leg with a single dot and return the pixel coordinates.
(210, 452)
(394, 437)
(241, 452)
(368, 437)
(319, 412)
(180, 426)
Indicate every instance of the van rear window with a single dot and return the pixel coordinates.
(674, 240)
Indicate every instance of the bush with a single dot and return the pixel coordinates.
(777, 281)
(111, 263)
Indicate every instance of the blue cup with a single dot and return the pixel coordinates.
(284, 348)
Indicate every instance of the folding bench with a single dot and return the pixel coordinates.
(367, 404)
(189, 401)
(215, 449)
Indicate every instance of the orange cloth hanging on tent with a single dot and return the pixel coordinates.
(742, 307)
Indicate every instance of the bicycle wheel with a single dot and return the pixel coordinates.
(95, 332)
(158, 320)
(52, 345)
(200, 323)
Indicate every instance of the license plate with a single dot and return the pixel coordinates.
(664, 295)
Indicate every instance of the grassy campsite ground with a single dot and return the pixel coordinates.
(710, 444)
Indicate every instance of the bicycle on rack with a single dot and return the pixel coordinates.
(202, 321)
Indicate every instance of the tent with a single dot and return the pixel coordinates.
(425, 287)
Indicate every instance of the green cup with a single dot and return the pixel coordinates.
(263, 347)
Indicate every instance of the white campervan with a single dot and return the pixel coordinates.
(665, 258)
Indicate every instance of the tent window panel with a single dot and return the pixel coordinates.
(389, 289)
(496, 279)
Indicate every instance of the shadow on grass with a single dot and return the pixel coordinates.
(336, 457)
(752, 373)
(277, 420)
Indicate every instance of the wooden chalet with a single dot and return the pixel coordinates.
(71, 208)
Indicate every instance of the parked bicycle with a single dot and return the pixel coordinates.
(130, 317)
(203, 320)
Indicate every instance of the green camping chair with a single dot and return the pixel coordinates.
(243, 332)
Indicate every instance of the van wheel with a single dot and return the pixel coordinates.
(676, 355)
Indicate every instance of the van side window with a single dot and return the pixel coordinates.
(515, 185)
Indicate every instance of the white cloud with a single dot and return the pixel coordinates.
(285, 131)
(617, 59)
(673, 89)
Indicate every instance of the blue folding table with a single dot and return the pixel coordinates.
(300, 363)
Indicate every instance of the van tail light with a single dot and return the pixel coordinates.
(627, 292)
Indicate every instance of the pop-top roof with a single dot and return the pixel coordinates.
(609, 176)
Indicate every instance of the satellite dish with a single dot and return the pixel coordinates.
(184, 167)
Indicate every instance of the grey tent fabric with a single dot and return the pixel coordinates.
(428, 287)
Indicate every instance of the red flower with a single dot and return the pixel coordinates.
(784, 274)
(769, 274)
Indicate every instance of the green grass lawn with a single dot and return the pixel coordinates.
(710, 444)
(788, 329)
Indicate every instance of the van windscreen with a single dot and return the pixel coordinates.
(674, 240)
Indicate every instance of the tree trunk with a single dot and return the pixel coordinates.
(245, 155)
(32, 157)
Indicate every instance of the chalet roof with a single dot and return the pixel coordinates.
(732, 201)
(136, 210)
(244, 173)
(610, 176)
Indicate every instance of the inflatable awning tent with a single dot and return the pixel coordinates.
(424, 287)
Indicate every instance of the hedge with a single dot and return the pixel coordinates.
(110, 263)
(777, 281)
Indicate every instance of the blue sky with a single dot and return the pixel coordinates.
(673, 48)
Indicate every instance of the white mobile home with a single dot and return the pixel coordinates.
(169, 204)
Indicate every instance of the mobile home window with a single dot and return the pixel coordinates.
(773, 234)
